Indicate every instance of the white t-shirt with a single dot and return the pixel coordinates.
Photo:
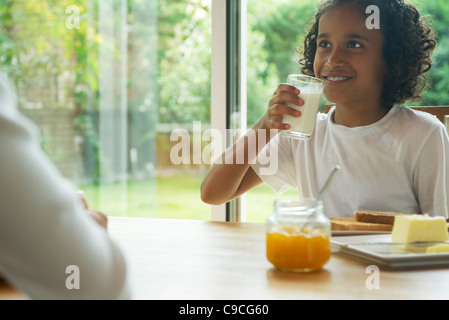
(400, 163)
(48, 243)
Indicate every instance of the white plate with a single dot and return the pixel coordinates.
(356, 232)
(379, 250)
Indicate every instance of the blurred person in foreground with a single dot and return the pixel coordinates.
(46, 227)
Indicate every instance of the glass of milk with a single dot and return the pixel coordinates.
(311, 90)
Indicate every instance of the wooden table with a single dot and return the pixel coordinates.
(185, 259)
(198, 260)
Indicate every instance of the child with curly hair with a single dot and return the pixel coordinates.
(392, 158)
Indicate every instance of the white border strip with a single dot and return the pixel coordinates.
(218, 83)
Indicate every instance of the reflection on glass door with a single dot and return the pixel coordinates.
(107, 82)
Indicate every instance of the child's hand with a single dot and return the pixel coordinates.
(277, 107)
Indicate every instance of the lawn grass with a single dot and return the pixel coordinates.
(175, 197)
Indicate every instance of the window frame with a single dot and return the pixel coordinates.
(228, 87)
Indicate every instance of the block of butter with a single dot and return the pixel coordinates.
(413, 228)
(442, 247)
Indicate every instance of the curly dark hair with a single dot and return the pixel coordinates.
(408, 45)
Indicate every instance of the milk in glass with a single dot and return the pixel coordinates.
(311, 90)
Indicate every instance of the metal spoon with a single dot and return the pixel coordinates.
(328, 183)
(323, 190)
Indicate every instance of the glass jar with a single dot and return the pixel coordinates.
(298, 235)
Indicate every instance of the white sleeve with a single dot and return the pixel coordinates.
(44, 230)
(275, 165)
(431, 174)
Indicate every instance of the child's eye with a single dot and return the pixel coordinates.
(354, 44)
(324, 44)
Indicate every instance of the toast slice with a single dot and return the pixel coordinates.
(352, 224)
(379, 217)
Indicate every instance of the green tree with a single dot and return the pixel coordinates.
(438, 12)
(284, 29)
(276, 32)
(184, 61)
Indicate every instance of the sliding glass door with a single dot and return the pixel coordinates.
(110, 83)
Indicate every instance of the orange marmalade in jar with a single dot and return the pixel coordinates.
(298, 235)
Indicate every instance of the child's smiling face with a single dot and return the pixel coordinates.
(349, 57)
